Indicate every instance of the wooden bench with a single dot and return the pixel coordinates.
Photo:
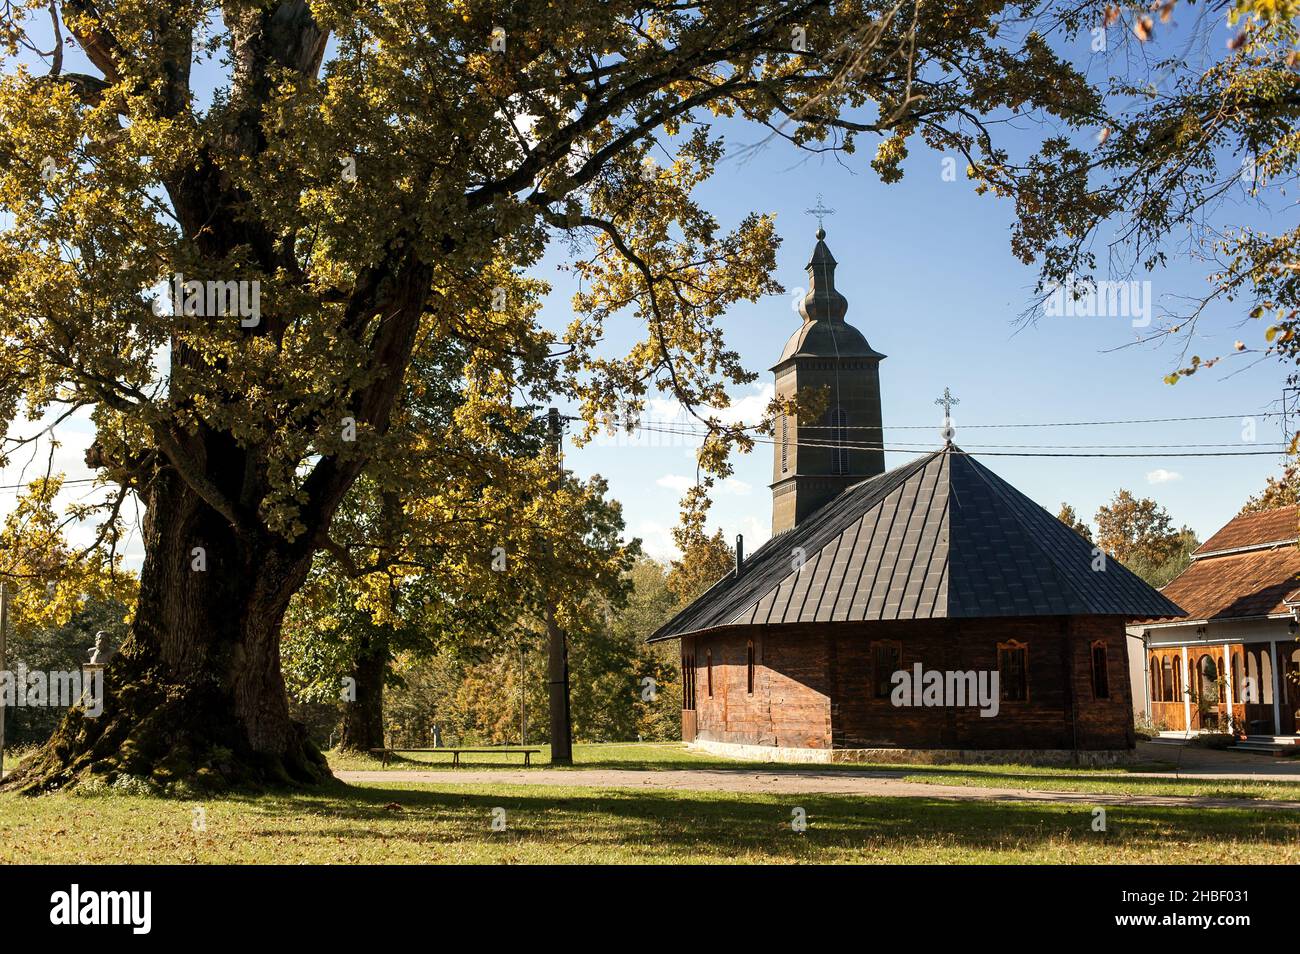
(457, 753)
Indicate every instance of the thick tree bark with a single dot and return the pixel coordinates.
(363, 718)
(196, 696)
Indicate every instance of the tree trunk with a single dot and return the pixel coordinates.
(195, 697)
(363, 717)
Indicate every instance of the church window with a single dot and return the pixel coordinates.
(886, 659)
(1013, 671)
(839, 422)
(1100, 676)
(708, 669)
(1154, 689)
(785, 443)
(750, 669)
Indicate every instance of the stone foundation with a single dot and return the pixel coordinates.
(776, 753)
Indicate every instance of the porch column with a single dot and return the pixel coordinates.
(1227, 684)
(1186, 688)
(1146, 679)
(1277, 701)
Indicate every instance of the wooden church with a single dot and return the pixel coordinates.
(930, 611)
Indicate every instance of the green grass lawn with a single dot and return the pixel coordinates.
(1119, 780)
(453, 824)
(617, 755)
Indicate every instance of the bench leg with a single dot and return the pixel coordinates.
(528, 760)
(455, 760)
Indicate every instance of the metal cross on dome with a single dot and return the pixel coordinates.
(820, 211)
(948, 432)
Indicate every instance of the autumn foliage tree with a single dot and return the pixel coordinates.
(254, 290)
(1140, 534)
(1071, 519)
(1281, 490)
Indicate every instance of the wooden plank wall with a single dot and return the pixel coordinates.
(813, 685)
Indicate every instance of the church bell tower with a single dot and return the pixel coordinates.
(815, 460)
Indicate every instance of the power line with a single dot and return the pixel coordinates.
(65, 483)
(917, 427)
(871, 445)
(998, 453)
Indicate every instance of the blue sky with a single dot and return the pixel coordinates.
(931, 281)
(927, 268)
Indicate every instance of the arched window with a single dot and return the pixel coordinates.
(1207, 676)
(708, 668)
(749, 679)
(839, 423)
(1238, 675)
(1100, 675)
(1167, 680)
(1266, 676)
(1154, 689)
(1178, 680)
(785, 443)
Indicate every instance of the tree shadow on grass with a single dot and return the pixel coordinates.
(667, 825)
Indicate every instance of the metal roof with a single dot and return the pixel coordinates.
(940, 537)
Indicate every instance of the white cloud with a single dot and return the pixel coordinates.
(656, 540)
(735, 486)
(747, 409)
(1162, 476)
(675, 482)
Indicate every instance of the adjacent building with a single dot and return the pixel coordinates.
(1229, 664)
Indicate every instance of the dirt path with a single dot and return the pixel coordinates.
(793, 782)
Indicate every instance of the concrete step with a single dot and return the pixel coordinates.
(1267, 747)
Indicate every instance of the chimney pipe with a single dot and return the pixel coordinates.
(740, 554)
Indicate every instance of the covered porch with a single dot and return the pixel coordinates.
(1245, 688)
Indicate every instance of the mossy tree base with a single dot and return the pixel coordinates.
(180, 739)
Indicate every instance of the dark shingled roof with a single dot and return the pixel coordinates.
(940, 537)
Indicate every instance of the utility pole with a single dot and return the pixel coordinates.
(557, 655)
(523, 695)
(4, 627)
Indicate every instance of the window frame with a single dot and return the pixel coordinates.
(838, 421)
(1014, 645)
(876, 646)
(1100, 644)
(785, 443)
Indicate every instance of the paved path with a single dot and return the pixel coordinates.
(1194, 762)
(791, 782)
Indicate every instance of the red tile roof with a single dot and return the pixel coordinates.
(1253, 529)
(1257, 575)
(1254, 583)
